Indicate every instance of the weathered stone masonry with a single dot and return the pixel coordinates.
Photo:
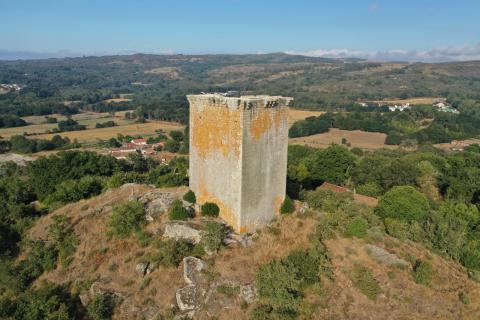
(238, 156)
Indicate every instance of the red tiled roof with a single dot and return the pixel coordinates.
(360, 198)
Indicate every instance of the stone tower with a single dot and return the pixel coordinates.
(238, 156)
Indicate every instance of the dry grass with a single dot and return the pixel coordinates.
(356, 138)
(240, 263)
(401, 297)
(296, 115)
(96, 253)
(142, 129)
(38, 129)
(420, 100)
(116, 100)
(448, 146)
(170, 72)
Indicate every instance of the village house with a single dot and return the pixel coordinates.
(360, 198)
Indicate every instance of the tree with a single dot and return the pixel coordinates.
(287, 206)
(331, 164)
(172, 146)
(403, 203)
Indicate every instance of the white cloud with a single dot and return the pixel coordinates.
(432, 55)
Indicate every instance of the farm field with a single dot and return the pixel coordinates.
(356, 138)
(295, 115)
(39, 127)
(420, 100)
(93, 135)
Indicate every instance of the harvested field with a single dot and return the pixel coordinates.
(421, 100)
(39, 127)
(295, 115)
(117, 100)
(356, 138)
(93, 135)
(19, 159)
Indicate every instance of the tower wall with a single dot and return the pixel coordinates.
(238, 156)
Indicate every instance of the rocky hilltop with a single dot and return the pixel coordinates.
(147, 275)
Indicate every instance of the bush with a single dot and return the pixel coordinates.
(403, 203)
(101, 307)
(422, 272)
(287, 206)
(190, 196)
(470, 254)
(357, 227)
(46, 302)
(281, 282)
(213, 236)
(364, 280)
(64, 239)
(178, 212)
(126, 218)
(210, 209)
(171, 252)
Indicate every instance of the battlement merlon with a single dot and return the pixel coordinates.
(236, 103)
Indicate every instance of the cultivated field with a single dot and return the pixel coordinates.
(134, 129)
(356, 138)
(295, 115)
(38, 129)
(422, 100)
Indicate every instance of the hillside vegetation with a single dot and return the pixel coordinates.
(159, 82)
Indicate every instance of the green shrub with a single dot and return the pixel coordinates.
(189, 196)
(364, 280)
(403, 203)
(213, 236)
(397, 228)
(287, 206)
(144, 238)
(210, 209)
(281, 282)
(101, 307)
(464, 298)
(277, 284)
(357, 227)
(470, 254)
(64, 238)
(178, 212)
(126, 218)
(40, 258)
(422, 272)
(47, 301)
(171, 252)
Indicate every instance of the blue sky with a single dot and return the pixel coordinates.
(375, 29)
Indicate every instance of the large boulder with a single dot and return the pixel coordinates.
(248, 293)
(192, 270)
(143, 268)
(384, 257)
(181, 230)
(190, 297)
(157, 203)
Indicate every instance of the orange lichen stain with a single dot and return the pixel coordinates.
(263, 119)
(278, 204)
(217, 129)
(226, 212)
